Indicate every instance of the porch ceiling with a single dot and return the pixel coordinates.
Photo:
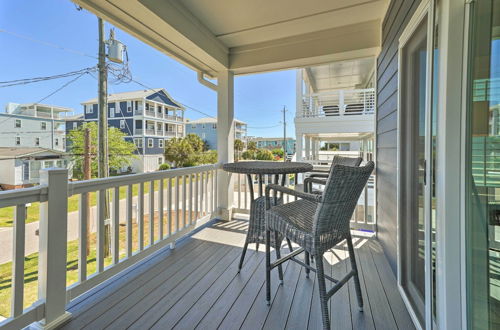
(250, 36)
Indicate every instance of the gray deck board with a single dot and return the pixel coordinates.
(197, 286)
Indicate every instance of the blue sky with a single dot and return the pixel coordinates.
(258, 98)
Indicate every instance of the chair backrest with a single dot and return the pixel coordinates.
(340, 196)
(346, 161)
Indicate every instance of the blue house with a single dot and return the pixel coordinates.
(147, 117)
(206, 129)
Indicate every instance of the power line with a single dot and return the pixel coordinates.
(62, 87)
(25, 81)
(49, 44)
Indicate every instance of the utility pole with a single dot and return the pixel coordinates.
(103, 169)
(87, 176)
(284, 133)
(103, 104)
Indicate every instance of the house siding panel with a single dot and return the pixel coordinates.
(398, 15)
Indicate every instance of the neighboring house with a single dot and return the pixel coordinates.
(148, 117)
(21, 166)
(273, 143)
(206, 129)
(33, 125)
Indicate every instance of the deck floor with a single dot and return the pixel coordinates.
(196, 286)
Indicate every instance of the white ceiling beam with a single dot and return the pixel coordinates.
(348, 42)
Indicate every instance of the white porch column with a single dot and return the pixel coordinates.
(225, 141)
(298, 93)
(298, 146)
(307, 148)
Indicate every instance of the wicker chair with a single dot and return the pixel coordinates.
(320, 177)
(317, 223)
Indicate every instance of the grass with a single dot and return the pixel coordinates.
(31, 263)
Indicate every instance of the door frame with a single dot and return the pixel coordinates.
(425, 11)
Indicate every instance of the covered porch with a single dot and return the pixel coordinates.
(173, 259)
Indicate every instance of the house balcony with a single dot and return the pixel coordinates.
(173, 262)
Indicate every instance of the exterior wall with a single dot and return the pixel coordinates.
(30, 130)
(398, 15)
(276, 143)
(206, 132)
(7, 174)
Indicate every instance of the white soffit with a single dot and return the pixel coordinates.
(250, 36)
(349, 74)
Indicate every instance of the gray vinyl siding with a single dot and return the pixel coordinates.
(398, 15)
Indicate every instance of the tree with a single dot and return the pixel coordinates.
(248, 154)
(252, 145)
(178, 151)
(196, 142)
(121, 152)
(238, 147)
(278, 152)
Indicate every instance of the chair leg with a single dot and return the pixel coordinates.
(257, 247)
(289, 245)
(322, 291)
(278, 256)
(243, 255)
(307, 263)
(268, 267)
(354, 266)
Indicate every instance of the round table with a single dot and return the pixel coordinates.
(261, 168)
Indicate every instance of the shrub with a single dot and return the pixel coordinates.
(164, 166)
(264, 154)
(248, 154)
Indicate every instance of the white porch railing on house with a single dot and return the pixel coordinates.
(338, 103)
(177, 202)
(362, 219)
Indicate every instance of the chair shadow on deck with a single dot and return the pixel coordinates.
(197, 285)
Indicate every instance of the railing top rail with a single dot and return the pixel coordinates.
(23, 196)
(334, 92)
(111, 182)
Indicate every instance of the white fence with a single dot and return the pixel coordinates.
(177, 201)
(338, 103)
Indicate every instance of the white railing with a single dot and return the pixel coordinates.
(362, 219)
(137, 214)
(338, 103)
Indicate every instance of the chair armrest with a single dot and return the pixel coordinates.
(310, 180)
(320, 175)
(310, 197)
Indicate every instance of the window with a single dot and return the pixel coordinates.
(138, 142)
(37, 141)
(59, 163)
(129, 106)
(193, 126)
(117, 108)
(18, 141)
(63, 141)
(75, 125)
(150, 143)
(43, 125)
(160, 160)
(57, 142)
(122, 123)
(18, 123)
(202, 125)
(203, 135)
(89, 108)
(214, 126)
(160, 143)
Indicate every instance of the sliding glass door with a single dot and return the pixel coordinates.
(483, 166)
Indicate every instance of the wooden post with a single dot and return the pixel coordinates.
(225, 141)
(53, 247)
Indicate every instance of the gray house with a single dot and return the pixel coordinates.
(206, 129)
(432, 258)
(33, 125)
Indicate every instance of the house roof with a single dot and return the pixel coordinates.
(8, 152)
(139, 94)
(210, 120)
